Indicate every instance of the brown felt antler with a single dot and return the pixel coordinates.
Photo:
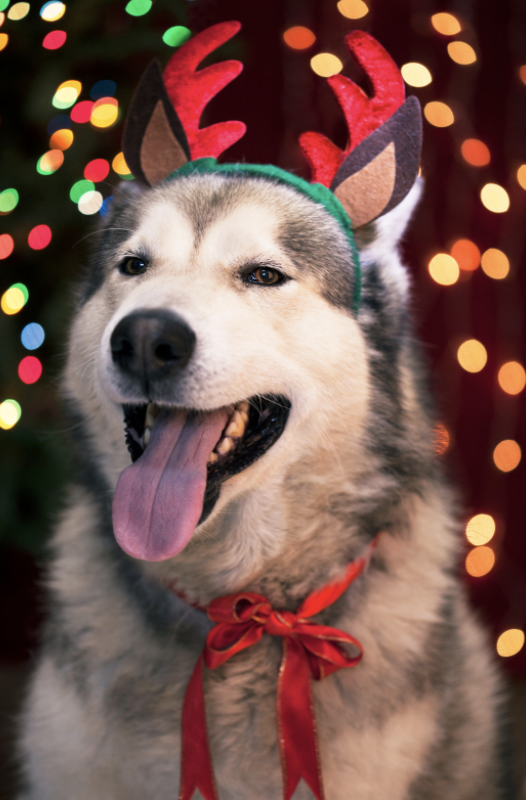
(380, 163)
(162, 130)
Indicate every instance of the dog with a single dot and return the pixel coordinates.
(277, 428)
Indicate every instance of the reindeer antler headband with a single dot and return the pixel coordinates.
(162, 138)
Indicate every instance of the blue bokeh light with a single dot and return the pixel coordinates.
(103, 89)
(59, 123)
(32, 336)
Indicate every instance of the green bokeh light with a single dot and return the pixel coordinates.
(137, 8)
(8, 200)
(4, 4)
(176, 36)
(79, 188)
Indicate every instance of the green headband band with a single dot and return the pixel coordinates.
(316, 191)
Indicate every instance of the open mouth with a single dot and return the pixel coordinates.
(180, 459)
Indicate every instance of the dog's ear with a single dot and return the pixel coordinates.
(162, 129)
(380, 165)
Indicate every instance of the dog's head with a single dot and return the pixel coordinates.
(220, 318)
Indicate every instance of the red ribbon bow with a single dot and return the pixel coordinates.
(309, 650)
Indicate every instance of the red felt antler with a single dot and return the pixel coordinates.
(363, 114)
(190, 91)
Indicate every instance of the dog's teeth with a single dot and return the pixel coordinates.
(146, 436)
(151, 415)
(225, 446)
(236, 426)
(243, 405)
(213, 458)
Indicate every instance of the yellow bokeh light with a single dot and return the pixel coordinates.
(104, 113)
(507, 455)
(495, 263)
(4, 38)
(512, 377)
(415, 74)
(439, 114)
(442, 438)
(480, 529)
(446, 24)
(510, 642)
(461, 53)
(444, 269)
(472, 355)
(53, 12)
(480, 561)
(326, 64)
(495, 198)
(120, 166)
(61, 140)
(353, 9)
(10, 413)
(521, 176)
(12, 301)
(466, 254)
(18, 11)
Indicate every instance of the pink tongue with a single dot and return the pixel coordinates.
(159, 499)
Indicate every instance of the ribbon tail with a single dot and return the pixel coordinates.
(298, 737)
(196, 761)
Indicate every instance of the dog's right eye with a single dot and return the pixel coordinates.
(133, 266)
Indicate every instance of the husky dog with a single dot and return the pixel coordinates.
(275, 431)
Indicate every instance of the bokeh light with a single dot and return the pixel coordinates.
(415, 74)
(10, 413)
(439, 114)
(103, 88)
(97, 170)
(137, 8)
(2, 17)
(472, 355)
(66, 94)
(32, 336)
(106, 206)
(90, 202)
(50, 162)
(39, 237)
(299, 37)
(480, 529)
(8, 200)
(326, 64)
(353, 9)
(52, 11)
(61, 140)
(495, 263)
(120, 166)
(104, 112)
(4, 39)
(446, 24)
(441, 438)
(466, 254)
(480, 561)
(14, 299)
(495, 198)
(18, 11)
(444, 269)
(176, 36)
(507, 455)
(522, 73)
(510, 642)
(475, 152)
(4, 4)
(512, 377)
(54, 40)
(59, 122)
(521, 176)
(82, 111)
(461, 53)
(79, 188)
(7, 245)
(29, 369)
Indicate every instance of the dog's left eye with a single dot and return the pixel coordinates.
(265, 276)
(133, 266)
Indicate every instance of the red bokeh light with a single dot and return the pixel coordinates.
(97, 170)
(6, 245)
(54, 40)
(82, 111)
(29, 369)
(39, 237)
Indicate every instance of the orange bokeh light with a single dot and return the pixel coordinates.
(466, 254)
(475, 152)
(507, 455)
(299, 38)
(512, 377)
(480, 561)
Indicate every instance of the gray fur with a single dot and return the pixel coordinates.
(418, 718)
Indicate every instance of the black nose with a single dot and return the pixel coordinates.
(152, 345)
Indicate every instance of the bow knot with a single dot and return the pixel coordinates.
(309, 650)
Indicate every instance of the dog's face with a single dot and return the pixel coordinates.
(218, 321)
